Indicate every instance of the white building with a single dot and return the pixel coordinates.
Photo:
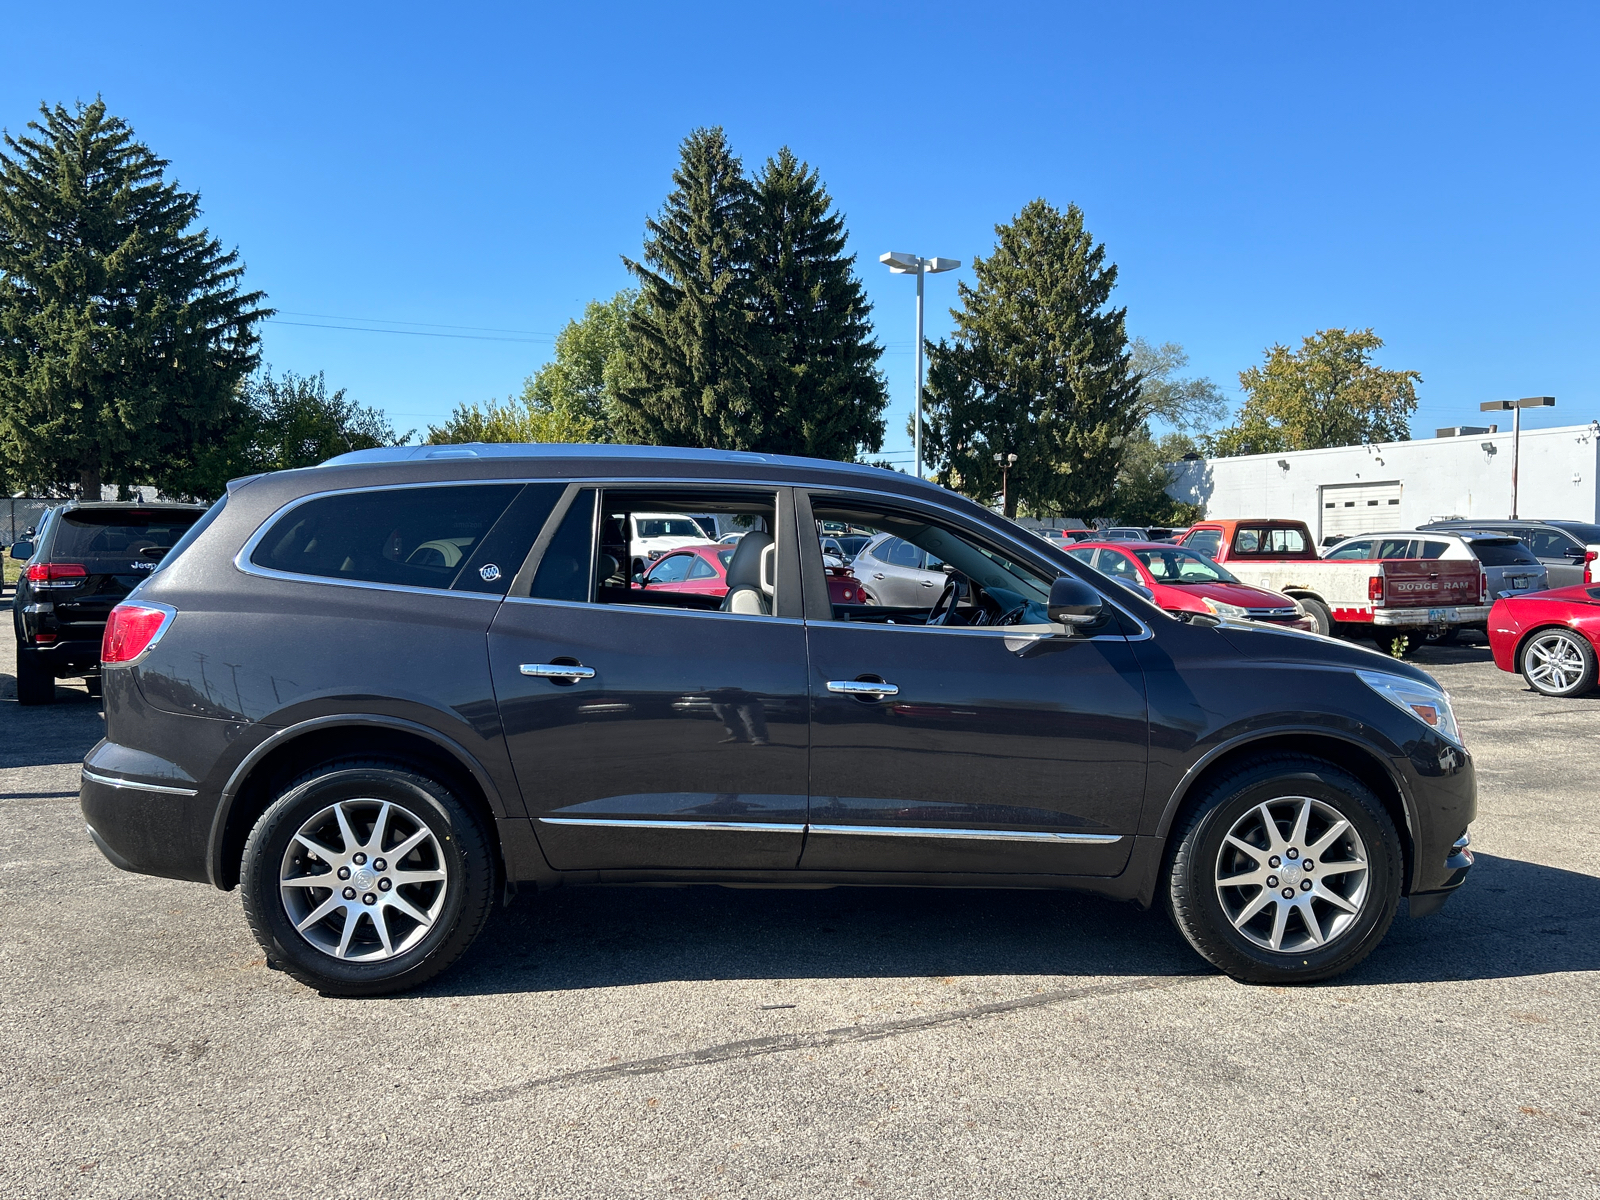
(1399, 485)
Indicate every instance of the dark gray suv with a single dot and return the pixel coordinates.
(381, 695)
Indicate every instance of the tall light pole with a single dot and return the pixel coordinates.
(1006, 461)
(912, 264)
(1516, 407)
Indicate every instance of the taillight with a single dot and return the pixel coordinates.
(1483, 587)
(48, 575)
(131, 630)
(1591, 573)
(1375, 589)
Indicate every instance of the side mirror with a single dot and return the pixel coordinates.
(1073, 602)
(1576, 554)
(21, 551)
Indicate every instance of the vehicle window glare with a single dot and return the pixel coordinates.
(1287, 541)
(1086, 557)
(1182, 566)
(699, 568)
(1360, 548)
(565, 566)
(672, 569)
(412, 537)
(899, 552)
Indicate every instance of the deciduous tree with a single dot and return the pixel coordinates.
(1327, 393)
(124, 329)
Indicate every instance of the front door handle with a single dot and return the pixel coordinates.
(876, 689)
(926, 582)
(571, 672)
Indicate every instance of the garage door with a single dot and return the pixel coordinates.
(1349, 508)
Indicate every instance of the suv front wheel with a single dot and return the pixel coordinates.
(365, 878)
(1288, 870)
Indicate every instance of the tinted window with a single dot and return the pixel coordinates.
(1360, 548)
(724, 557)
(496, 559)
(564, 569)
(1509, 553)
(412, 537)
(673, 569)
(1206, 542)
(1395, 548)
(1116, 564)
(1547, 544)
(118, 535)
(1086, 557)
(1589, 535)
(699, 568)
(1433, 549)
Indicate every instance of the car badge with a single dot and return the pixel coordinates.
(490, 572)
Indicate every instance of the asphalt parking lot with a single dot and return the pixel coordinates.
(712, 1042)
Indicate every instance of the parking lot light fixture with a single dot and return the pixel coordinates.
(1515, 407)
(912, 264)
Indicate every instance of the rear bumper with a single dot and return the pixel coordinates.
(147, 827)
(68, 657)
(1456, 614)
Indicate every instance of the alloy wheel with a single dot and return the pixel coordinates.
(363, 880)
(1554, 663)
(1292, 875)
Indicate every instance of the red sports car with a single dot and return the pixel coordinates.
(1551, 638)
(1183, 581)
(703, 570)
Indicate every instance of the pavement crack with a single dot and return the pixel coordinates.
(784, 1043)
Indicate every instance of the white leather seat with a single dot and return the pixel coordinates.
(748, 590)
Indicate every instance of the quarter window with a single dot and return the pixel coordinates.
(699, 568)
(412, 537)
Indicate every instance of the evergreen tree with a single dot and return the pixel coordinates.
(1039, 367)
(124, 333)
(822, 391)
(694, 369)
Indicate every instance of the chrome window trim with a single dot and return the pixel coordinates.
(1001, 631)
(625, 823)
(671, 610)
(113, 781)
(980, 835)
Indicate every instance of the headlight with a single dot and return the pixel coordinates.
(1224, 610)
(1428, 704)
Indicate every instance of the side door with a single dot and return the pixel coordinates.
(969, 748)
(650, 731)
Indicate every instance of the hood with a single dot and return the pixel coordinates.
(1241, 594)
(1260, 642)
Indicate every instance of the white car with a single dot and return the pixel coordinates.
(652, 534)
(1510, 566)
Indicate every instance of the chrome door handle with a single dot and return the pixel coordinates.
(877, 574)
(557, 671)
(925, 582)
(862, 687)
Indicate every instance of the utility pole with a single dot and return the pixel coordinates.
(912, 264)
(1516, 407)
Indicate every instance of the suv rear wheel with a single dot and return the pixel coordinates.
(1287, 871)
(365, 878)
(36, 683)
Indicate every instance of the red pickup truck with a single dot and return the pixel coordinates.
(1379, 597)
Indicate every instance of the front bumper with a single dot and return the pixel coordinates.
(1455, 614)
(1425, 904)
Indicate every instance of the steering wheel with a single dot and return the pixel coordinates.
(1014, 616)
(955, 591)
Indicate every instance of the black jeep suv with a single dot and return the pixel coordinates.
(85, 558)
(381, 694)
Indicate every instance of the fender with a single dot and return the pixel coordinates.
(1196, 768)
(230, 790)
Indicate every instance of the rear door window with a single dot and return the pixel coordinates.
(1548, 544)
(1118, 565)
(422, 537)
(1396, 548)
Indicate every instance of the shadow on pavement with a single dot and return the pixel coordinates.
(1512, 919)
(50, 734)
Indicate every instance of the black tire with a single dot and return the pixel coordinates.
(460, 845)
(1576, 679)
(1197, 908)
(1318, 612)
(36, 683)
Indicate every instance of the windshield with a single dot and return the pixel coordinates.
(1182, 566)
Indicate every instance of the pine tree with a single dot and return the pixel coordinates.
(822, 389)
(1038, 367)
(124, 334)
(693, 371)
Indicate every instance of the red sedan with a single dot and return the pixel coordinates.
(703, 570)
(1184, 581)
(1550, 638)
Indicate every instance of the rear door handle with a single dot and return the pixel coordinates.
(568, 671)
(863, 687)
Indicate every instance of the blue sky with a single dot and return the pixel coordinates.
(1256, 171)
